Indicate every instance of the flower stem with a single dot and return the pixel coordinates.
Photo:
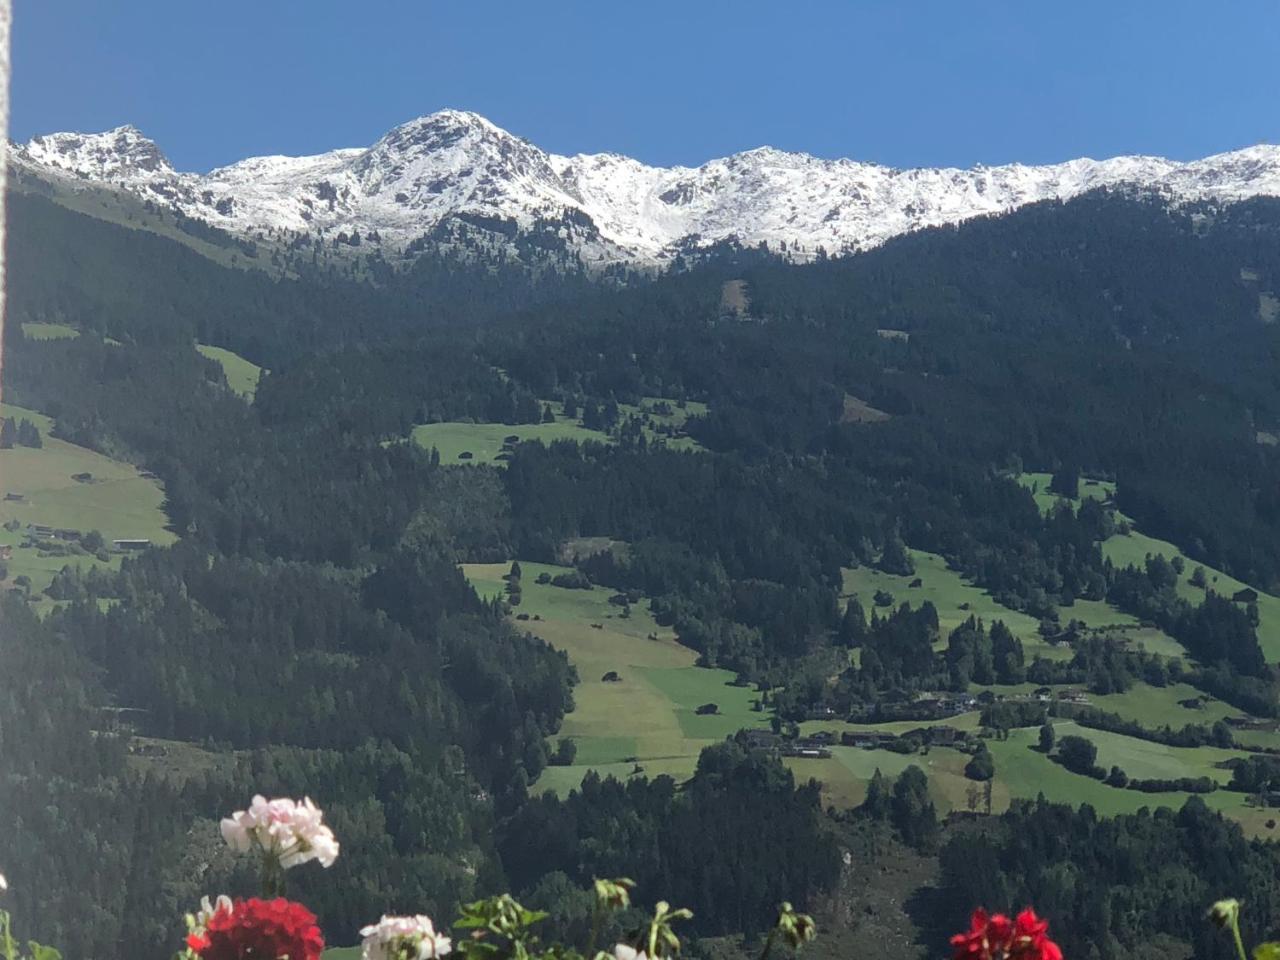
(10, 948)
(1235, 932)
(768, 944)
(597, 915)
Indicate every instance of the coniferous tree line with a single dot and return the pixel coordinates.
(1116, 341)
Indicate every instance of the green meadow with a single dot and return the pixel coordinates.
(49, 331)
(1026, 773)
(242, 376)
(647, 718)
(1157, 706)
(956, 599)
(845, 775)
(645, 723)
(1038, 484)
(1133, 548)
(483, 441)
(118, 501)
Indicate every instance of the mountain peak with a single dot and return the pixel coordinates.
(452, 164)
(122, 153)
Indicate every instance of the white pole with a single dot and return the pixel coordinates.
(6, 21)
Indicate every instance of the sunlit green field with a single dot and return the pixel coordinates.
(1038, 484)
(1027, 773)
(955, 599)
(49, 331)
(242, 376)
(1132, 550)
(845, 775)
(484, 440)
(118, 502)
(647, 717)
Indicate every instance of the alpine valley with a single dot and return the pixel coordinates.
(783, 530)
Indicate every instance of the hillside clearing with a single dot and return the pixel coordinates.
(485, 443)
(856, 410)
(49, 331)
(242, 376)
(956, 600)
(116, 500)
(647, 716)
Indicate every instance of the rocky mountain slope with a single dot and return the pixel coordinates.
(451, 170)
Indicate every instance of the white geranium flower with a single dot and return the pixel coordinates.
(291, 831)
(403, 938)
(4, 884)
(622, 951)
(207, 909)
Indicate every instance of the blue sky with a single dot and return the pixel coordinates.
(906, 82)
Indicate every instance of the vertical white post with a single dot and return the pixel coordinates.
(6, 21)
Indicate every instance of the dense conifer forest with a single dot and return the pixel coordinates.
(311, 632)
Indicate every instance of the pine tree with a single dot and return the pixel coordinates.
(878, 801)
(1046, 738)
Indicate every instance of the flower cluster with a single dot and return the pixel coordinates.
(291, 831)
(403, 938)
(257, 930)
(999, 938)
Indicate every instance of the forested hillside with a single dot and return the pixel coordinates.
(312, 633)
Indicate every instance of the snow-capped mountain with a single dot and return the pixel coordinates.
(455, 167)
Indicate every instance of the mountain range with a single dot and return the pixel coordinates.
(452, 168)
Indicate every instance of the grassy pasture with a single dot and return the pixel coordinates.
(1132, 550)
(484, 440)
(948, 591)
(1145, 760)
(1038, 484)
(1157, 706)
(119, 502)
(647, 717)
(242, 376)
(845, 775)
(1026, 773)
(176, 760)
(49, 331)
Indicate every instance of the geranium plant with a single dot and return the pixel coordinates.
(996, 937)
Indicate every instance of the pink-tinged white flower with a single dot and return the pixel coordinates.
(208, 909)
(4, 884)
(622, 951)
(292, 831)
(403, 938)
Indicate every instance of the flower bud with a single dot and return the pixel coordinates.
(1224, 913)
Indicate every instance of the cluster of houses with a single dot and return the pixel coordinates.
(1046, 695)
(818, 745)
(940, 706)
(1252, 723)
(39, 532)
(927, 706)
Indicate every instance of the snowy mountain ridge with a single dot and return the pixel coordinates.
(608, 208)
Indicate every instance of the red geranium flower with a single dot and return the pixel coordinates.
(261, 930)
(999, 938)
